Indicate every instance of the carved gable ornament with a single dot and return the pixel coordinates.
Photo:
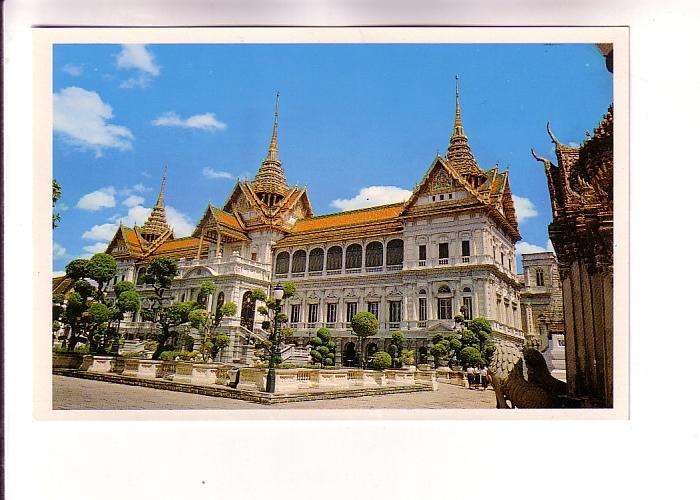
(441, 182)
(242, 204)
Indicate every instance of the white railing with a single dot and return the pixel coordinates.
(227, 265)
(443, 262)
(336, 272)
(505, 330)
(421, 263)
(465, 259)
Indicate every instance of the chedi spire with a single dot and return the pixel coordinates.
(270, 184)
(459, 153)
(156, 224)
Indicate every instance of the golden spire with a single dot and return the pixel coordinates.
(161, 196)
(458, 129)
(459, 154)
(273, 151)
(156, 224)
(270, 183)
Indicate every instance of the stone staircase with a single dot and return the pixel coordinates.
(295, 355)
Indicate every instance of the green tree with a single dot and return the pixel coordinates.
(472, 345)
(381, 360)
(85, 311)
(56, 217)
(160, 311)
(323, 348)
(395, 349)
(364, 324)
(101, 268)
(210, 343)
(272, 311)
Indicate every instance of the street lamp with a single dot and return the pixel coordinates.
(277, 294)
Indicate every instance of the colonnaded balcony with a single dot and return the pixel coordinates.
(303, 272)
(342, 328)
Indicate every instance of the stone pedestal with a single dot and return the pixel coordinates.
(555, 355)
(195, 373)
(67, 360)
(99, 364)
(142, 368)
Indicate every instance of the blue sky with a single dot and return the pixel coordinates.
(352, 118)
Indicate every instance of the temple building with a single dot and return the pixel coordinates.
(412, 264)
(581, 192)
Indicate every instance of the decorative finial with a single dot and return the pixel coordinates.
(552, 136)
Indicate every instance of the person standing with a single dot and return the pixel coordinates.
(470, 376)
(484, 378)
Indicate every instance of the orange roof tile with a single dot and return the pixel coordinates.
(226, 218)
(371, 215)
(187, 243)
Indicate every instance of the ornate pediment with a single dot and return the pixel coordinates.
(441, 181)
(200, 271)
(441, 326)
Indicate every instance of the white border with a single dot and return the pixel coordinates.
(43, 40)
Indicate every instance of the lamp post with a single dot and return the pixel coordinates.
(277, 294)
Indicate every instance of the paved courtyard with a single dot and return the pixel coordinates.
(71, 393)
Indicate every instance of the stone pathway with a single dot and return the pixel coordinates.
(71, 393)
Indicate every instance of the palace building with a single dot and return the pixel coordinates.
(412, 264)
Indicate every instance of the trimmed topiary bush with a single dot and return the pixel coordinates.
(381, 360)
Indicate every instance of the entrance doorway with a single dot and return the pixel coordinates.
(350, 355)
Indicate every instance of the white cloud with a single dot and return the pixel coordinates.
(135, 216)
(372, 196)
(95, 248)
(80, 118)
(58, 273)
(205, 121)
(210, 173)
(181, 223)
(102, 198)
(133, 200)
(137, 56)
(523, 247)
(100, 232)
(136, 188)
(524, 208)
(58, 250)
(142, 81)
(72, 69)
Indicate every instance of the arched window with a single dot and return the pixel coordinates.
(334, 258)
(467, 289)
(299, 261)
(140, 276)
(316, 259)
(394, 253)
(353, 257)
(374, 254)
(282, 266)
(422, 292)
(539, 277)
(444, 289)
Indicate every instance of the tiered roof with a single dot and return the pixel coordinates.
(156, 225)
(268, 202)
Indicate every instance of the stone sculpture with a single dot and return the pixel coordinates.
(531, 387)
